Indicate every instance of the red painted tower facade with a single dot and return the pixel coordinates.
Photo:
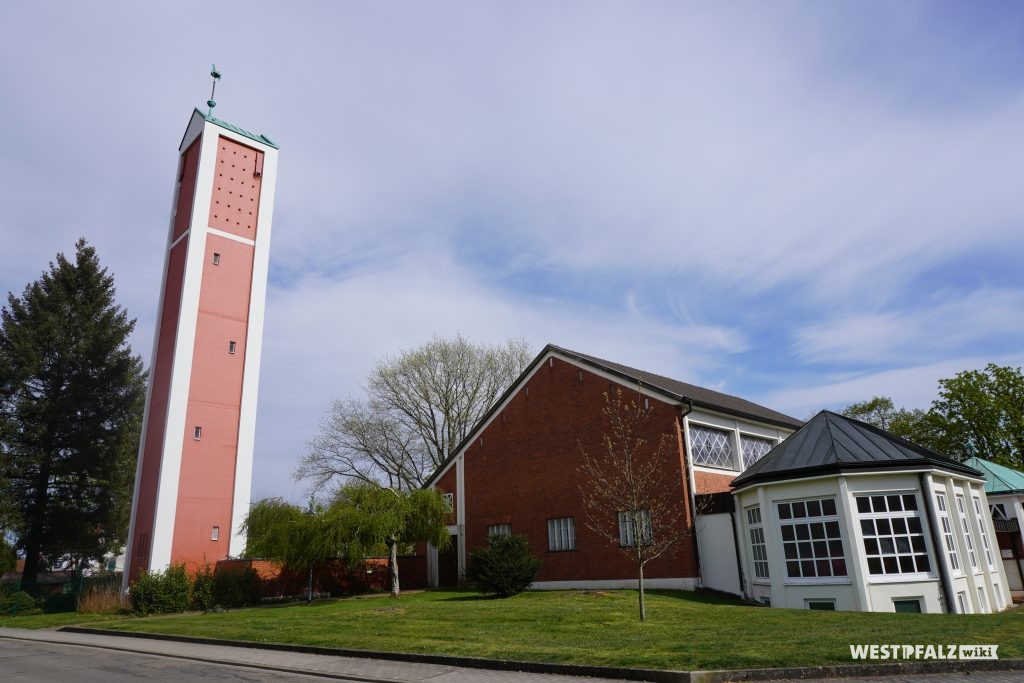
(194, 472)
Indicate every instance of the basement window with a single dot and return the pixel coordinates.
(231, 346)
(825, 605)
(197, 433)
(216, 259)
(215, 533)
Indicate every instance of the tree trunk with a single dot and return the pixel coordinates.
(394, 569)
(34, 537)
(643, 605)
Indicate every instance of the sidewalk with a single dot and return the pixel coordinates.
(324, 666)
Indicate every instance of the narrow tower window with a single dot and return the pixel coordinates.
(215, 533)
(197, 432)
(216, 259)
(231, 347)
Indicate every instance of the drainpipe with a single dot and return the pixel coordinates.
(693, 490)
(940, 549)
(736, 547)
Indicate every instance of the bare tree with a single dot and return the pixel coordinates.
(629, 496)
(418, 406)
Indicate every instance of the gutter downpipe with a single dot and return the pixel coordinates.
(940, 550)
(693, 490)
(736, 547)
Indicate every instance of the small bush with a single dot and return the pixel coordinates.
(202, 590)
(18, 603)
(237, 587)
(504, 567)
(162, 592)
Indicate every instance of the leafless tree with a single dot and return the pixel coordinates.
(629, 495)
(418, 406)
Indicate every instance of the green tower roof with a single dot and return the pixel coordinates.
(262, 139)
(999, 479)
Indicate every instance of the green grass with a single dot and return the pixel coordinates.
(684, 630)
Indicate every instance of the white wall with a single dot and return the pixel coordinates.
(717, 549)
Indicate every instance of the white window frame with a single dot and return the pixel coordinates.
(888, 511)
(449, 500)
(744, 436)
(793, 518)
(758, 548)
(503, 529)
(629, 533)
(215, 533)
(948, 537)
(197, 433)
(981, 599)
(216, 258)
(232, 346)
(824, 601)
(965, 525)
(962, 603)
(561, 534)
(732, 465)
(983, 531)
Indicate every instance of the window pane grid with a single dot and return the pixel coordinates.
(811, 539)
(947, 532)
(635, 527)
(984, 532)
(754, 449)
(965, 525)
(562, 534)
(893, 535)
(757, 545)
(712, 447)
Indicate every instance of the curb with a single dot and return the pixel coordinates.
(652, 675)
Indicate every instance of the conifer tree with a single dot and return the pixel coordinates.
(71, 401)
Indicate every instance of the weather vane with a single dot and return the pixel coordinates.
(216, 77)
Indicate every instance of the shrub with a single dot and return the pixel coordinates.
(16, 603)
(237, 587)
(105, 598)
(504, 567)
(162, 592)
(202, 590)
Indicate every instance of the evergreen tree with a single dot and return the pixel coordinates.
(71, 401)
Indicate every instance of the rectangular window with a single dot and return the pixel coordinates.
(984, 532)
(998, 511)
(449, 500)
(961, 603)
(757, 545)
(947, 532)
(754, 448)
(635, 528)
(197, 433)
(893, 538)
(981, 599)
(231, 346)
(711, 447)
(811, 539)
(215, 533)
(824, 605)
(908, 606)
(998, 595)
(216, 259)
(561, 534)
(966, 526)
(499, 530)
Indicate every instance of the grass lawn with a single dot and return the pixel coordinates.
(684, 630)
(56, 619)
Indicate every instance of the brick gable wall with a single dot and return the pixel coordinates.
(523, 470)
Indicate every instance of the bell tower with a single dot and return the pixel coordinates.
(194, 472)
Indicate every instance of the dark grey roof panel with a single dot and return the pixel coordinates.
(701, 396)
(829, 442)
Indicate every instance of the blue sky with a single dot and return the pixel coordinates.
(805, 204)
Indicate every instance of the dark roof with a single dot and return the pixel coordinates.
(673, 389)
(681, 391)
(831, 443)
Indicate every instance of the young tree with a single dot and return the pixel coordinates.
(372, 517)
(418, 407)
(71, 400)
(628, 495)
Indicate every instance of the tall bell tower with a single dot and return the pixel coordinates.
(194, 473)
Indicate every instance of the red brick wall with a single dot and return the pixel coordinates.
(525, 470)
(448, 484)
(706, 482)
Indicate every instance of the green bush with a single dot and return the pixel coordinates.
(162, 592)
(202, 590)
(18, 603)
(504, 567)
(237, 587)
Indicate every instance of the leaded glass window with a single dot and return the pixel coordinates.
(711, 447)
(754, 448)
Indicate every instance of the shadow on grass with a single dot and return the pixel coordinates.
(699, 597)
(470, 598)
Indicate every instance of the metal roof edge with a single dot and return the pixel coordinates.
(837, 469)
